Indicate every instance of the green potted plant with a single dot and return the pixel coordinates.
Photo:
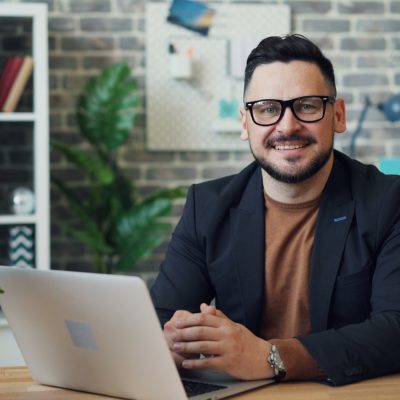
(116, 225)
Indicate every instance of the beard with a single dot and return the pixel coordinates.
(298, 174)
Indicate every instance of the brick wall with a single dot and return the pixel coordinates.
(361, 37)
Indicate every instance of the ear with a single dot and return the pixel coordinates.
(339, 109)
(243, 118)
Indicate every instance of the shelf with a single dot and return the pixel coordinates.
(17, 116)
(37, 120)
(17, 219)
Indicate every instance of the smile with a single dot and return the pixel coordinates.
(288, 146)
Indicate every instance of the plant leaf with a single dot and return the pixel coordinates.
(138, 218)
(168, 193)
(95, 167)
(106, 111)
(94, 243)
(84, 216)
(138, 231)
(141, 246)
(117, 228)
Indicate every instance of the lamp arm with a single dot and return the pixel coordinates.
(356, 133)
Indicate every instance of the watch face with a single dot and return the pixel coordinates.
(22, 201)
(276, 363)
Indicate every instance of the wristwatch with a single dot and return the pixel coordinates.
(276, 363)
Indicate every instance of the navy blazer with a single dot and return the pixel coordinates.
(218, 251)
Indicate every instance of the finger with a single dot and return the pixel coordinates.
(179, 357)
(169, 326)
(195, 333)
(209, 363)
(208, 309)
(169, 333)
(180, 314)
(199, 347)
(199, 319)
(220, 314)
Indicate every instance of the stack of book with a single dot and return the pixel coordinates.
(13, 79)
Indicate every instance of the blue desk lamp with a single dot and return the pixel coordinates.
(390, 108)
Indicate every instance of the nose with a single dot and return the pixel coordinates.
(288, 123)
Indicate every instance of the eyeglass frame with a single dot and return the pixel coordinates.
(248, 105)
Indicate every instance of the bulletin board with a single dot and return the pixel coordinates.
(201, 112)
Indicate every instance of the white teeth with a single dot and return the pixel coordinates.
(288, 147)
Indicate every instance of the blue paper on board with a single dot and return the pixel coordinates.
(193, 15)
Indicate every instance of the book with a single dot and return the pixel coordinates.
(8, 75)
(19, 84)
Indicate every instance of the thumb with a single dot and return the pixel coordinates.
(211, 310)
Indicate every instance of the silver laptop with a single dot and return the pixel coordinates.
(99, 333)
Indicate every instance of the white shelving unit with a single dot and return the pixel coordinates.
(9, 351)
(40, 126)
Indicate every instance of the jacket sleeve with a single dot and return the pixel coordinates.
(183, 282)
(372, 347)
(360, 351)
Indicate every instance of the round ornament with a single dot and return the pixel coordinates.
(22, 201)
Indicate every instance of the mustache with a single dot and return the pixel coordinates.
(289, 138)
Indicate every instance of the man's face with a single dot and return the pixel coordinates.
(291, 151)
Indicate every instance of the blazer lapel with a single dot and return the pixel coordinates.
(248, 240)
(247, 227)
(334, 221)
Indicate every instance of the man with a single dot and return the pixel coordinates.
(301, 249)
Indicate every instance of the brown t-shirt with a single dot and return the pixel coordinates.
(289, 239)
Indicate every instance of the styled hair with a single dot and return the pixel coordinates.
(288, 48)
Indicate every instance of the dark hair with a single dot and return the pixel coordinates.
(285, 49)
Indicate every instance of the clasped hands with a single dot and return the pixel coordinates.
(225, 345)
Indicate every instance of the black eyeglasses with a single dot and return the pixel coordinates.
(266, 112)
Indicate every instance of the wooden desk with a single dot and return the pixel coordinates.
(16, 383)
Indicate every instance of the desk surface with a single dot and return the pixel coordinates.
(16, 383)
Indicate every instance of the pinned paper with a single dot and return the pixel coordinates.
(239, 49)
(228, 108)
(180, 63)
(190, 14)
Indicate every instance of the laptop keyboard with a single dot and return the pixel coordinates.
(193, 388)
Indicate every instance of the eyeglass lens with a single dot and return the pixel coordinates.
(306, 109)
